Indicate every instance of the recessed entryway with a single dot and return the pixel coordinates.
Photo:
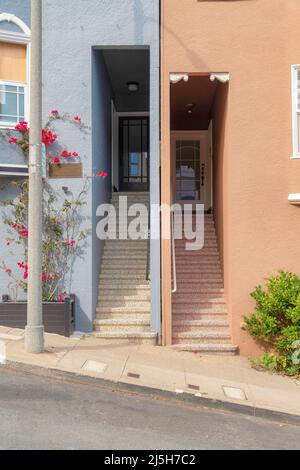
(198, 115)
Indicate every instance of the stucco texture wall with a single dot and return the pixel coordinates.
(256, 42)
(74, 83)
(20, 8)
(8, 254)
(69, 35)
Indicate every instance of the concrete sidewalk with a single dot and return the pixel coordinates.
(230, 380)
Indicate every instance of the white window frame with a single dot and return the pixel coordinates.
(24, 37)
(16, 84)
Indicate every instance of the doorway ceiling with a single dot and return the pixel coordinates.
(129, 65)
(200, 92)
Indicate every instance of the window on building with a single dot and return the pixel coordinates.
(13, 83)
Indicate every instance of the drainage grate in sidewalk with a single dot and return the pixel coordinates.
(195, 388)
(131, 375)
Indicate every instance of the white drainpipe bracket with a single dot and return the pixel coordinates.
(294, 198)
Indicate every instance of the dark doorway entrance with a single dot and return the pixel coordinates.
(134, 154)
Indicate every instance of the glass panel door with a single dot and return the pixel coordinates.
(188, 172)
(191, 168)
(134, 154)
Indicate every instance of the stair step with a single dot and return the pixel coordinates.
(181, 242)
(183, 261)
(124, 285)
(200, 290)
(197, 299)
(201, 277)
(198, 307)
(124, 289)
(124, 259)
(200, 326)
(107, 297)
(198, 269)
(133, 270)
(209, 232)
(206, 251)
(207, 349)
(198, 281)
(186, 317)
(122, 310)
(128, 336)
(139, 305)
(125, 324)
(124, 266)
(137, 246)
(199, 337)
(122, 276)
(122, 315)
(198, 255)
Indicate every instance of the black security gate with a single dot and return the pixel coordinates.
(134, 154)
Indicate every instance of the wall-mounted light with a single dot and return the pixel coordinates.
(133, 87)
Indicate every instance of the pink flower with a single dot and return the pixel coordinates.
(70, 244)
(102, 174)
(13, 140)
(8, 271)
(77, 118)
(22, 127)
(24, 233)
(65, 154)
(48, 138)
(25, 268)
(56, 161)
(75, 154)
(61, 297)
(54, 112)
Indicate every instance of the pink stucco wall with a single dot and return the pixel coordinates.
(256, 41)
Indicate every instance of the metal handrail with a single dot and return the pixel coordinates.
(173, 254)
(148, 248)
(174, 276)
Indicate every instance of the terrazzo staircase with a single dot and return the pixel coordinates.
(200, 317)
(123, 313)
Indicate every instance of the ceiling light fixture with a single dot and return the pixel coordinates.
(132, 86)
(190, 107)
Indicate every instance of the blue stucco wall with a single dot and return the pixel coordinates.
(20, 8)
(70, 75)
(101, 154)
(10, 254)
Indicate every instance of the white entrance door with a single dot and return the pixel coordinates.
(191, 167)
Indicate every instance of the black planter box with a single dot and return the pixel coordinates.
(57, 318)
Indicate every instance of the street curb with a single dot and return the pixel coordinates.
(185, 397)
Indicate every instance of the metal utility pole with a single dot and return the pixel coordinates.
(34, 332)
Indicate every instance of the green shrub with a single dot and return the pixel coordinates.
(276, 322)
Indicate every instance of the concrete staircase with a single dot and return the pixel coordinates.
(123, 313)
(200, 317)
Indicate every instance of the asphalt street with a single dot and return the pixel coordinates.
(46, 413)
